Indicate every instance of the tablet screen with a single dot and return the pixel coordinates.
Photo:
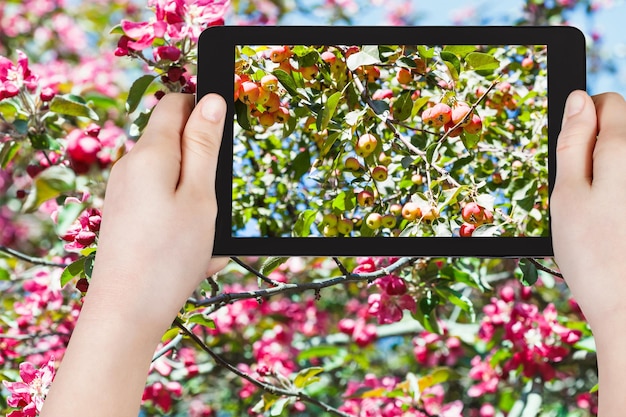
(390, 141)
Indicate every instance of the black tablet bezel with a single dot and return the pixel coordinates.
(216, 50)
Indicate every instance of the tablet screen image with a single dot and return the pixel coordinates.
(390, 141)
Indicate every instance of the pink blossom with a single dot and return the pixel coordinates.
(487, 376)
(388, 309)
(13, 77)
(31, 392)
(162, 395)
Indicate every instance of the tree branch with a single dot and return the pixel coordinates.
(544, 268)
(316, 286)
(272, 389)
(30, 259)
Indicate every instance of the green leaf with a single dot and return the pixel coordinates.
(140, 123)
(242, 115)
(480, 61)
(344, 201)
(43, 141)
(437, 376)
(425, 52)
(459, 300)
(452, 62)
(116, 30)
(8, 110)
(302, 228)
(4, 275)
(72, 270)
(301, 164)
(486, 230)
(328, 143)
(470, 140)
(450, 196)
(460, 50)
(307, 376)
(529, 271)
(379, 106)
(309, 59)
(246, 50)
(202, 320)
(63, 105)
(21, 126)
(318, 352)
(368, 55)
(287, 82)
(272, 263)
(89, 262)
(279, 405)
(137, 91)
(50, 183)
(328, 111)
(403, 106)
(7, 152)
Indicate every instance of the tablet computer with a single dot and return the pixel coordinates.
(390, 141)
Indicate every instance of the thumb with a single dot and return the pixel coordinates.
(576, 141)
(200, 145)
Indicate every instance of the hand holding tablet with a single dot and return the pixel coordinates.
(388, 141)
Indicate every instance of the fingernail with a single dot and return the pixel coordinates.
(575, 103)
(213, 108)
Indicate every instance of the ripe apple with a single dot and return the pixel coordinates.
(282, 115)
(466, 230)
(264, 96)
(249, 92)
(382, 93)
(475, 125)
(345, 226)
(372, 73)
(269, 82)
(411, 211)
(454, 132)
(473, 213)
(442, 114)
(280, 53)
(379, 173)
(389, 221)
(431, 214)
(308, 73)
(267, 119)
(237, 86)
(417, 179)
(366, 144)
(330, 231)
(528, 63)
(395, 209)
(352, 164)
(459, 113)
(365, 198)
(273, 103)
(330, 219)
(374, 221)
(488, 216)
(404, 76)
(420, 65)
(328, 57)
(285, 66)
(384, 159)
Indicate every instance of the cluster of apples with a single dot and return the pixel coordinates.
(473, 215)
(501, 98)
(262, 96)
(461, 115)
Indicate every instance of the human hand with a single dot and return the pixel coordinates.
(158, 223)
(587, 206)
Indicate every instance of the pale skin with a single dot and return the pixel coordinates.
(158, 226)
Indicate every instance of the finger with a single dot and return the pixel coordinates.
(217, 264)
(200, 146)
(574, 151)
(157, 155)
(610, 149)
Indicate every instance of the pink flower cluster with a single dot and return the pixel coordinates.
(162, 395)
(432, 350)
(15, 76)
(84, 231)
(28, 396)
(386, 404)
(93, 146)
(175, 21)
(535, 338)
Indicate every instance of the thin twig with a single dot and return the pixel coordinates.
(272, 389)
(255, 272)
(341, 266)
(544, 268)
(31, 259)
